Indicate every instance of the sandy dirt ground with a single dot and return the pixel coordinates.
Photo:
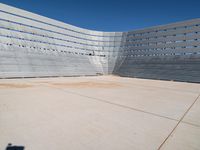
(99, 113)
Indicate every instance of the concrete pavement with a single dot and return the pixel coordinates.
(95, 113)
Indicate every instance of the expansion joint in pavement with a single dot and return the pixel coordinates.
(178, 123)
(115, 104)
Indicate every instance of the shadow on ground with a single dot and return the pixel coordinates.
(14, 147)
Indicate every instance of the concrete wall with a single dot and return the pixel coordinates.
(33, 46)
(169, 52)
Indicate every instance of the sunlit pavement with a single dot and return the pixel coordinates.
(99, 113)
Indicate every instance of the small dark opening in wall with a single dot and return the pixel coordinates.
(90, 54)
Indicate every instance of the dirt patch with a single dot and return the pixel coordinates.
(14, 85)
(89, 84)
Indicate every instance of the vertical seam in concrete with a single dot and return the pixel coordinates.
(178, 123)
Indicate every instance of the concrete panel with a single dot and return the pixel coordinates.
(71, 121)
(160, 101)
(57, 116)
(185, 137)
(193, 116)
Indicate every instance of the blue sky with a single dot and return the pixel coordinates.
(112, 15)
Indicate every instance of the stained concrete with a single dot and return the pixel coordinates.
(95, 113)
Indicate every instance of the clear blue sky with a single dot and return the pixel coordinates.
(112, 15)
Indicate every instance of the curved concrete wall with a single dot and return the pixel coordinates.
(35, 46)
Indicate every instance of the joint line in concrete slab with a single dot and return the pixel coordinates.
(178, 122)
(119, 105)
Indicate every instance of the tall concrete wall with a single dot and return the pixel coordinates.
(33, 46)
(169, 52)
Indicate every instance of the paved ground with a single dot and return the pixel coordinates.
(99, 113)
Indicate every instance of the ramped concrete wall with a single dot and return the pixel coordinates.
(35, 46)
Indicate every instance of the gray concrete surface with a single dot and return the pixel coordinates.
(32, 45)
(99, 113)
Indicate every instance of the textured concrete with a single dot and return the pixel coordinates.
(105, 112)
(35, 46)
